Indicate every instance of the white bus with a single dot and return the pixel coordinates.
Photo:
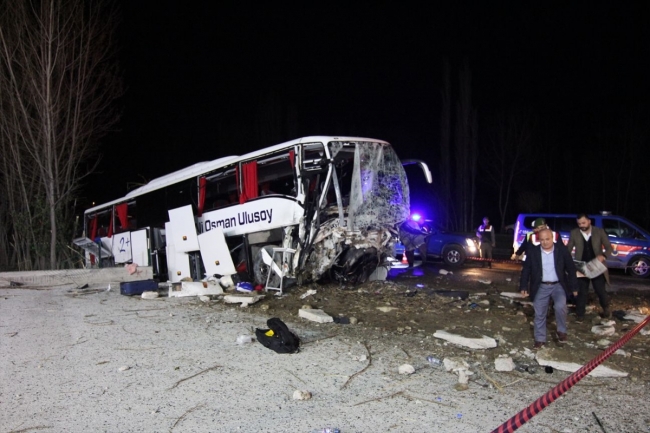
(331, 203)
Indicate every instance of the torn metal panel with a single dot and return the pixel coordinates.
(215, 254)
(183, 234)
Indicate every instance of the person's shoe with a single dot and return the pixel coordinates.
(538, 345)
(562, 337)
(580, 319)
(607, 314)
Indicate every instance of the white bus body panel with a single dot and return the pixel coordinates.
(178, 263)
(215, 253)
(183, 233)
(140, 247)
(122, 247)
(253, 216)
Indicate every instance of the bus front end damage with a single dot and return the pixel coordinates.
(356, 239)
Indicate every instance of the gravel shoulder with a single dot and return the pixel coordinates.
(82, 361)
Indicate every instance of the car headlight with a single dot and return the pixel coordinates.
(470, 244)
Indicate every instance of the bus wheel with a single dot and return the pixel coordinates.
(261, 269)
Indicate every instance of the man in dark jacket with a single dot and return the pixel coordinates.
(548, 273)
(589, 242)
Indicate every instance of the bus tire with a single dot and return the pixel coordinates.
(261, 270)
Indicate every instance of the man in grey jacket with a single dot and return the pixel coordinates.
(589, 242)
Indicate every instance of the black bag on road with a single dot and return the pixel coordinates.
(278, 337)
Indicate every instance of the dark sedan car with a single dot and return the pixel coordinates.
(452, 248)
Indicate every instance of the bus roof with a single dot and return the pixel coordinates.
(207, 166)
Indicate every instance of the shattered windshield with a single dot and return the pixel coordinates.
(379, 194)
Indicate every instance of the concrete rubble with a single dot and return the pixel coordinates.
(315, 315)
(244, 300)
(483, 342)
(552, 358)
(504, 363)
(406, 369)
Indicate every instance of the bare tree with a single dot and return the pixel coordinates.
(508, 156)
(59, 81)
(466, 151)
(445, 144)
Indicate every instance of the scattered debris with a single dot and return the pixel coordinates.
(244, 300)
(484, 342)
(512, 295)
(194, 375)
(603, 330)
(194, 288)
(386, 309)
(362, 370)
(244, 339)
(550, 357)
(318, 316)
(149, 295)
(504, 363)
(445, 272)
(406, 369)
(124, 368)
(308, 293)
(485, 281)
(301, 395)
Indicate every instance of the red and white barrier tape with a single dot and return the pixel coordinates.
(538, 405)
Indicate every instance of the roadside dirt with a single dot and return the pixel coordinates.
(412, 304)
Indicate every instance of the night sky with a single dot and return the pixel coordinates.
(205, 80)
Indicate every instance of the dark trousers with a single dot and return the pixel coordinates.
(583, 291)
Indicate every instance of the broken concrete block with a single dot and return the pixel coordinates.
(149, 295)
(554, 358)
(406, 369)
(463, 376)
(386, 309)
(308, 293)
(244, 300)
(301, 395)
(483, 342)
(603, 330)
(318, 316)
(504, 363)
(512, 295)
(194, 288)
(455, 364)
(634, 316)
(444, 272)
(603, 343)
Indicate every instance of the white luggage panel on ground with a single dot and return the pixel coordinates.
(183, 233)
(215, 254)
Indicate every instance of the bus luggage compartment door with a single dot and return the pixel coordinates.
(183, 234)
(215, 253)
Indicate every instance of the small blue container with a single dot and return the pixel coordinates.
(130, 288)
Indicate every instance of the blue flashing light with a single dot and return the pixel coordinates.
(416, 217)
